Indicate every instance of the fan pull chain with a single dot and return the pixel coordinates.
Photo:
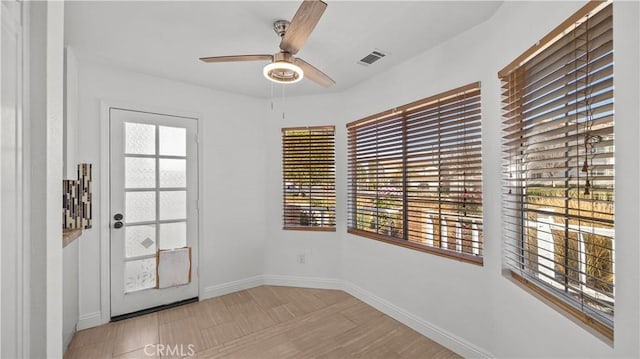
(271, 96)
(283, 102)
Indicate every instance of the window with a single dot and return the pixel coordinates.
(558, 167)
(308, 178)
(415, 176)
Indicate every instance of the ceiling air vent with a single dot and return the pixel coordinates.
(372, 57)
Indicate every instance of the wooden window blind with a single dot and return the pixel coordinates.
(415, 175)
(308, 178)
(558, 166)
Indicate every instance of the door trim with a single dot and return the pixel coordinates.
(105, 185)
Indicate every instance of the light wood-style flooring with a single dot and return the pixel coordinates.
(262, 322)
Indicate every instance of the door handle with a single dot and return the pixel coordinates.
(118, 225)
(118, 216)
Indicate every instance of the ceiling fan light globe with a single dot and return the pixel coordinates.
(283, 72)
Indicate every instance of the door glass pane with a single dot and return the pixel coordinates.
(140, 206)
(173, 141)
(140, 240)
(139, 139)
(173, 173)
(173, 235)
(173, 205)
(139, 172)
(139, 274)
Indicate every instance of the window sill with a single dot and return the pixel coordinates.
(593, 326)
(310, 229)
(463, 257)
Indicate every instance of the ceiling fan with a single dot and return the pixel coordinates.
(285, 67)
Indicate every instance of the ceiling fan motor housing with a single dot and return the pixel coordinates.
(283, 56)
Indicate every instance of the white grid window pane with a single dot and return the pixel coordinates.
(139, 172)
(140, 241)
(173, 205)
(173, 173)
(173, 141)
(173, 235)
(140, 139)
(139, 274)
(140, 206)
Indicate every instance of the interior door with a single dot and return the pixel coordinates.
(154, 193)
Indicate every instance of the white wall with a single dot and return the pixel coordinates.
(232, 157)
(474, 304)
(322, 250)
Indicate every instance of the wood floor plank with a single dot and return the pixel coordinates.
(212, 312)
(99, 349)
(262, 322)
(331, 296)
(265, 297)
(222, 333)
(177, 313)
(184, 335)
(280, 313)
(361, 314)
(135, 333)
(275, 347)
(236, 298)
(94, 335)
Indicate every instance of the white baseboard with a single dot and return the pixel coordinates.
(303, 282)
(439, 335)
(230, 287)
(90, 320)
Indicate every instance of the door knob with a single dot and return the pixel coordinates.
(118, 225)
(118, 216)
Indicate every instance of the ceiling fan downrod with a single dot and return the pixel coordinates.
(280, 27)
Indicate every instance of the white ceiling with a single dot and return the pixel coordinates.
(166, 38)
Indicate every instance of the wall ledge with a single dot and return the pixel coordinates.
(70, 235)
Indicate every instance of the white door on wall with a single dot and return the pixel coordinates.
(153, 208)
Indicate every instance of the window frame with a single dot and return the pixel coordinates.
(564, 302)
(404, 112)
(325, 133)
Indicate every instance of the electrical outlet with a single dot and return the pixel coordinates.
(302, 258)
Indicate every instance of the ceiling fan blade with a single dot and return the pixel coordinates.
(237, 58)
(302, 24)
(314, 74)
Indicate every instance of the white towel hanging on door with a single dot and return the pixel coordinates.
(173, 267)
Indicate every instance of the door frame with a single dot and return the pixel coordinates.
(105, 185)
